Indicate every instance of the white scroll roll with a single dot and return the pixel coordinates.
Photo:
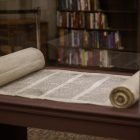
(127, 93)
(19, 64)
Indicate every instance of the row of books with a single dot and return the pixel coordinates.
(90, 39)
(78, 5)
(96, 20)
(84, 57)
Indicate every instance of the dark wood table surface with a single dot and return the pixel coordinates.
(18, 113)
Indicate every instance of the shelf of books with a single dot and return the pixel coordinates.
(97, 32)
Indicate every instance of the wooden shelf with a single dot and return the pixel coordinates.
(91, 48)
(21, 33)
(111, 20)
(103, 11)
(113, 69)
(100, 30)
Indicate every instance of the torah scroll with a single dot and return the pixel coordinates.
(19, 64)
(127, 93)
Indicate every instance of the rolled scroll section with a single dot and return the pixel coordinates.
(19, 64)
(127, 93)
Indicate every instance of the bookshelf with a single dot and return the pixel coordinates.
(98, 33)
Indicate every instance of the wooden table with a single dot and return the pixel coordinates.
(18, 113)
